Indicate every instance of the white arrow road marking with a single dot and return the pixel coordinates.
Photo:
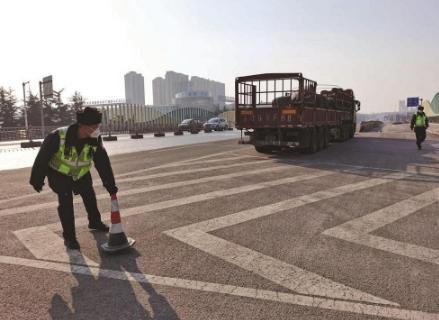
(279, 272)
(133, 191)
(260, 294)
(358, 230)
(45, 244)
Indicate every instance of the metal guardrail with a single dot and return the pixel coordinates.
(162, 124)
(20, 133)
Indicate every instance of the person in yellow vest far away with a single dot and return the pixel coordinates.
(420, 124)
(66, 157)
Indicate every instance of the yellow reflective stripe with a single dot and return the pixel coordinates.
(63, 168)
(76, 164)
(73, 165)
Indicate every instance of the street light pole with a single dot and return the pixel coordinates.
(43, 129)
(25, 107)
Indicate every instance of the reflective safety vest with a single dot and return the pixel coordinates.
(420, 120)
(72, 164)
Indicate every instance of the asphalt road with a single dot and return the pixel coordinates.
(222, 232)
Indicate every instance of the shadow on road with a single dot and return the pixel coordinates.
(105, 298)
(367, 156)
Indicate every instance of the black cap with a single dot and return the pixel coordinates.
(89, 116)
(420, 108)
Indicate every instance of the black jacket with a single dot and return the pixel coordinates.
(50, 146)
(413, 123)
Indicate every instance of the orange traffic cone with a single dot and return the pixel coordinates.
(117, 240)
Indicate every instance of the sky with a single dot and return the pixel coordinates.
(385, 50)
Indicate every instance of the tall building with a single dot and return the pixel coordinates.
(216, 90)
(134, 88)
(165, 89)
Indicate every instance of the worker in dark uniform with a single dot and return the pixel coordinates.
(420, 124)
(66, 157)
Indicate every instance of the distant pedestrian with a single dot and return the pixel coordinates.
(66, 158)
(420, 124)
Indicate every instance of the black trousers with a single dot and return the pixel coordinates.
(65, 187)
(421, 134)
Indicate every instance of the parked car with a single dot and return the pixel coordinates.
(191, 125)
(217, 124)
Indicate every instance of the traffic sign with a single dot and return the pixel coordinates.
(47, 87)
(413, 102)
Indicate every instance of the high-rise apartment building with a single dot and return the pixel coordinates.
(216, 89)
(166, 89)
(134, 88)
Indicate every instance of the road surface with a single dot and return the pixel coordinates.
(351, 232)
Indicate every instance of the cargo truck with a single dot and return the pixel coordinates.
(284, 110)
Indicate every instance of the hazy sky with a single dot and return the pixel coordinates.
(385, 50)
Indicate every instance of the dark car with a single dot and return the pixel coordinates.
(190, 125)
(217, 124)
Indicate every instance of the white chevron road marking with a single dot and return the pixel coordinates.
(279, 272)
(358, 230)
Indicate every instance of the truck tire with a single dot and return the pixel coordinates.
(321, 138)
(313, 140)
(344, 135)
(325, 137)
(352, 131)
(264, 149)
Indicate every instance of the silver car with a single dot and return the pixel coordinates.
(217, 124)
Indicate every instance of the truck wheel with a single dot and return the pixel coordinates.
(313, 141)
(325, 138)
(343, 133)
(263, 149)
(321, 140)
(352, 130)
(347, 131)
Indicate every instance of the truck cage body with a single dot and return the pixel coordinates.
(284, 109)
(289, 100)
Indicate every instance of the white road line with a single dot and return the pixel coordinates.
(358, 230)
(169, 165)
(174, 173)
(39, 246)
(255, 213)
(181, 163)
(282, 273)
(259, 294)
(202, 197)
(44, 244)
(272, 269)
(133, 191)
(26, 196)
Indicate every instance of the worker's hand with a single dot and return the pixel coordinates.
(112, 190)
(38, 187)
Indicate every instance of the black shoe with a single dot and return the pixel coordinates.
(72, 244)
(99, 226)
(419, 146)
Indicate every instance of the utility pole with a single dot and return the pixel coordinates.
(43, 129)
(25, 108)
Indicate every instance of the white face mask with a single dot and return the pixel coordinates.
(96, 133)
